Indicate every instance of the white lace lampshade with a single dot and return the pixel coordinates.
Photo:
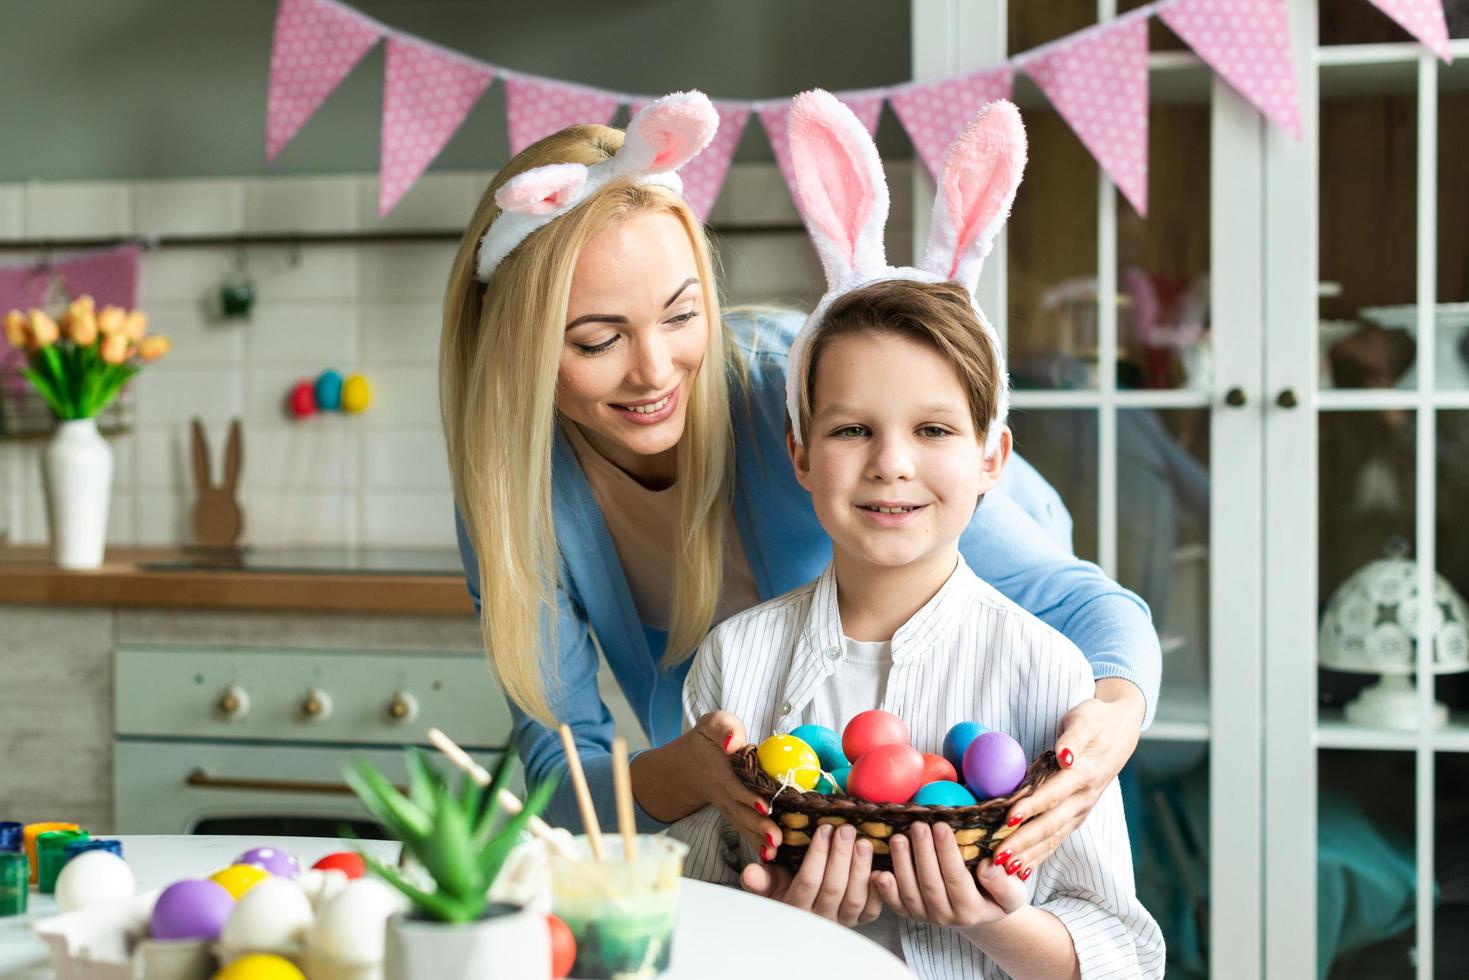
(1369, 628)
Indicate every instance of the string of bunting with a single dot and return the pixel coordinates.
(1096, 78)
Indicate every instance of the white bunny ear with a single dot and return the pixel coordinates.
(840, 186)
(982, 170)
(543, 189)
(666, 134)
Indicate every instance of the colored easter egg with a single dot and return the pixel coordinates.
(191, 909)
(238, 879)
(260, 966)
(943, 792)
(787, 759)
(328, 391)
(349, 863)
(275, 861)
(958, 740)
(826, 742)
(826, 785)
(870, 729)
(563, 947)
(356, 394)
(839, 776)
(301, 402)
(937, 769)
(994, 764)
(886, 774)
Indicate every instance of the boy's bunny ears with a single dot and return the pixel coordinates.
(667, 134)
(844, 198)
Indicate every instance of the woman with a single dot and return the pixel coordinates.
(618, 452)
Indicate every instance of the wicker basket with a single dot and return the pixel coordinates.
(977, 829)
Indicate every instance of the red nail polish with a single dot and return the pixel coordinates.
(1025, 875)
(1067, 758)
(727, 739)
(1002, 857)
(1013, 821)
(770, 839)
(1012, 867)
(761, 808)
(767, 854)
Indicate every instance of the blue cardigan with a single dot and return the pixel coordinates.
(1019, 542)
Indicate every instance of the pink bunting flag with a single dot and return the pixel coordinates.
(933, 113)
(1099, 85)
(538, 107)
(1248, 42)
(775, 116)
(317, 43)
(1424, 20)
(703, 176)
(426, 95)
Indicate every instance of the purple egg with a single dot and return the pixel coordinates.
(277, 862)
(994, 764)
(191, 909)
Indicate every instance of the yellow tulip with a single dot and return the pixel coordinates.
(83, 304)
(135, 325)
(111, 319)
(115, 348)
(83, 327)
(154, 347)
(15, 328)
(44, 330)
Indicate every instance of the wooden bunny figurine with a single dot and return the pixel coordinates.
(218, 519)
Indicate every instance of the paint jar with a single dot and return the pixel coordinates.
(51, 855)
(15, 882)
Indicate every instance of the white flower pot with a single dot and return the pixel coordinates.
(514, 944)
(77, 467)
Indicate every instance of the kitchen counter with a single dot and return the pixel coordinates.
(130, 578)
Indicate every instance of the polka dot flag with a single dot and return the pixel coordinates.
(317, 44)
(537, 107)
(1248, 42)
(1099, 85)
(775, 117)
(426, 95)
(703, 176)
(933, 113)
(1423, 19)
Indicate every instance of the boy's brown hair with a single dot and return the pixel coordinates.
(940, 314)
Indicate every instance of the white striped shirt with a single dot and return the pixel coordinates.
(969, 654)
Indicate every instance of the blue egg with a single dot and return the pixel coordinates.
(958, 740)
(826, 743)
(840, 775)
(329, 391)
(826, 784)
(943, 793)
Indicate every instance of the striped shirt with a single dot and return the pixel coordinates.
(968, 654)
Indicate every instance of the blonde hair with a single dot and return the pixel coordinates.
(940, 314)
(498, 363)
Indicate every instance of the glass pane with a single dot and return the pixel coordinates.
(1451, 864)
(1166, 798)
(1368, 241)
(1163, 260)
(1062, 445)
(1053, 260)
(1356, 22)
(1452, 319)
(1451, 645)
(1029, 24)
(1365, 904)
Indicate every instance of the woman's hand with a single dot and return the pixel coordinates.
(1095, 740)
(834, 881)
(929, 882)
(693, 770)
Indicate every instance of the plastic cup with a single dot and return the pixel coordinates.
(622, 913)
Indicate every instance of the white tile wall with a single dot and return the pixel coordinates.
(376, 478)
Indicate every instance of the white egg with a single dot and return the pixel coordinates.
(92, 878)
(272, 916)
(351, 925)
(320, 884)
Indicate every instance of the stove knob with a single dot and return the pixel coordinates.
(317, 705)
(234, 702)
(403, 708)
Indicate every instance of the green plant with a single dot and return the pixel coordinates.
(451, 833)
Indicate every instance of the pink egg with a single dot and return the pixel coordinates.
(936, 769)
(886, 774)
(994, 764)
(870, 729)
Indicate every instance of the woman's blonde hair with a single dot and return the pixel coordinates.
(498, 364)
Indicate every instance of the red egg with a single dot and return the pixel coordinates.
(869, 730)
(936, 768)
(302, 400)
(348, 863)
(886, 774)
(563, 947)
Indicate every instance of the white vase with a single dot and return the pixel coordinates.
(77, 467)
(513, 945)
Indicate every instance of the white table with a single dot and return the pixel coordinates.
(715, 937)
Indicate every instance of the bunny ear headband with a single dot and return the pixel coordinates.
(844, 198)
(667, 134)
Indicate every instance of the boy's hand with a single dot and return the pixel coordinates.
(930, 883)
(834, 881)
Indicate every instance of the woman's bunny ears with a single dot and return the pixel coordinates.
(664, 136)
(844, 199)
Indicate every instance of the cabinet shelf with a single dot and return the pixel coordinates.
(1334, 731)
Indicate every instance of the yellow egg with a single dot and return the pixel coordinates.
(787, 759)
(356, 394)
(237, 879)
(260, 966)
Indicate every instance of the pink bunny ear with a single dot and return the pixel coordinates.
(839, 184)
(543, 189)
(982, 171)
(667, 134)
